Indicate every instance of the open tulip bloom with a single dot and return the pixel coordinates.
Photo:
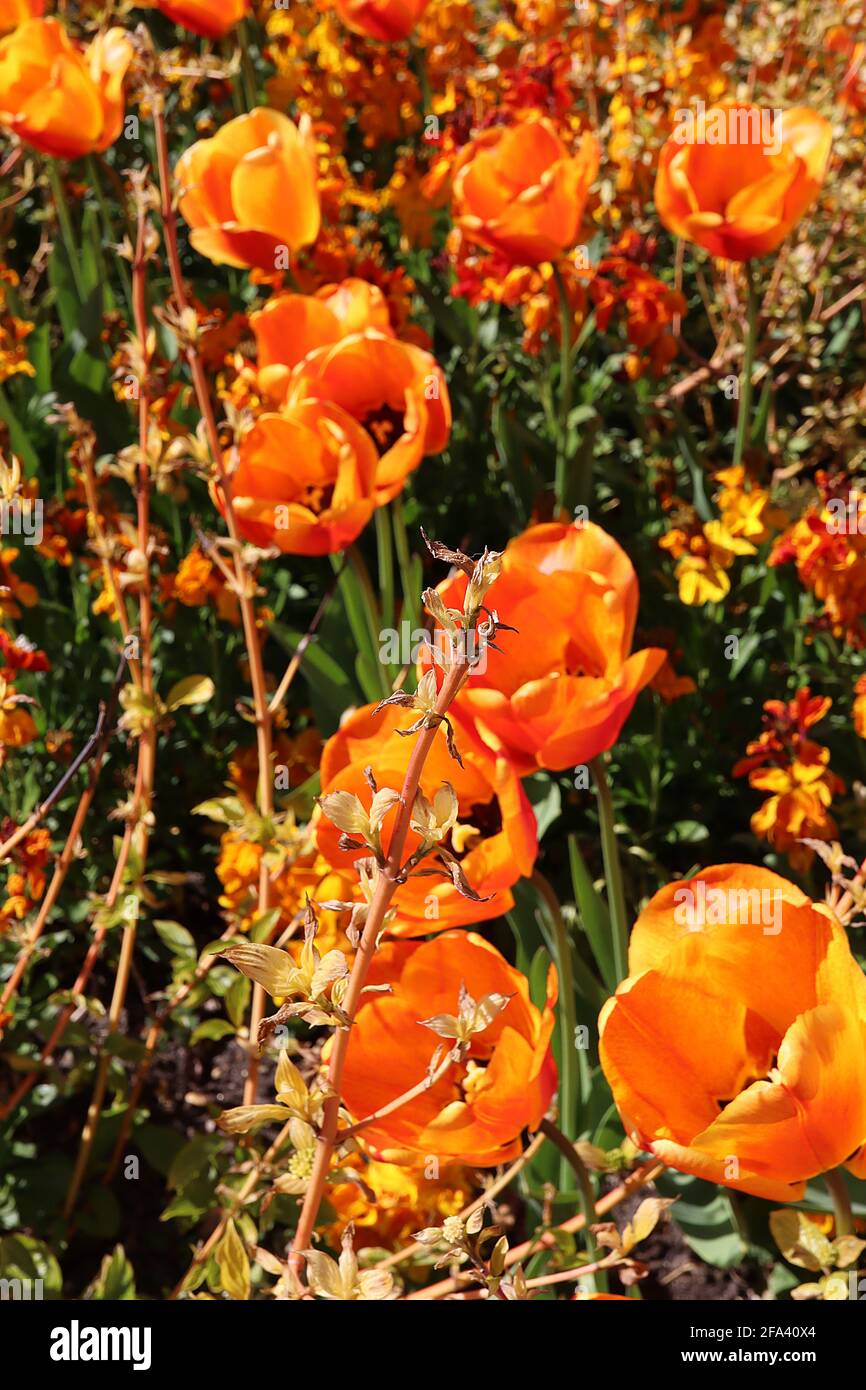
(736, 1048)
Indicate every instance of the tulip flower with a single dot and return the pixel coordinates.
(494, 836)
(14, 12)
(505, 1080)
(250, 193)
(395, 390)
(292, 325)
(563, 685)
(736, 1049)
(212, 19)
(740, 177)
(388, 20)
(63, 99)
(304, 481)
(519, 191)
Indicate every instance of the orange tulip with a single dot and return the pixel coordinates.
(564, 684)
(517, 190)
(304, 480)
(63, 99)
(292, 325)
(742, 177)
(395, 390)
(478, 1111)
(250, 193)
(13, 12)
(495, 835)
(389, 20)
(736, 1049)
(212, 19)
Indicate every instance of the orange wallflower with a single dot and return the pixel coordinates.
(518, 190)
(495, 835)
(743, 201)
(859, 707)
(389, 20)
(13, 12)
(292, 325)
(204, 17)
(395, 1201)
(736, 1049)
(61, 98)
(478, 1111)
(17, 728)
(304, 481)
(795, 770)
(564, 683)
(395, 390)
(251, 192)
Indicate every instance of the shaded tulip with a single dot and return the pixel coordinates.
(61, 98)
(13, 12)
(292, 325)
(389, 20)
(250, 193)
(741, 178)
(395, 390)
(210, 20)
(478, 1111)
(304, 481)
(517, 190)
(736, 1049)
(494, 838)
(563, 685)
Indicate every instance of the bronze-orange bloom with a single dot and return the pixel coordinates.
(736, 1049)
(394, 389)
(14, 12)
(292, 325)
(62, 99)
(563, 685)
(477, 1112)
(210, 20)
(519, 191)
(494, 838)
(740, 179)
(389, 20)
(304, 481)
(250, 194)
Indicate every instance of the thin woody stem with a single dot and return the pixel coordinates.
(141, 808)
(78, 988)
(386, 886)
(94, 748)
(399, 1101)
(263, 714)
(639, 1178)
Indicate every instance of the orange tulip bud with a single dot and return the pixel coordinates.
(736, 1049)
(559, 691)
(477, 1112)
(517, 190)
(304, 481)
(63, 99)
(739, 177)
(250, 193)
(212, 19)
(13, 12)
(494, 837)
(389, 20)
